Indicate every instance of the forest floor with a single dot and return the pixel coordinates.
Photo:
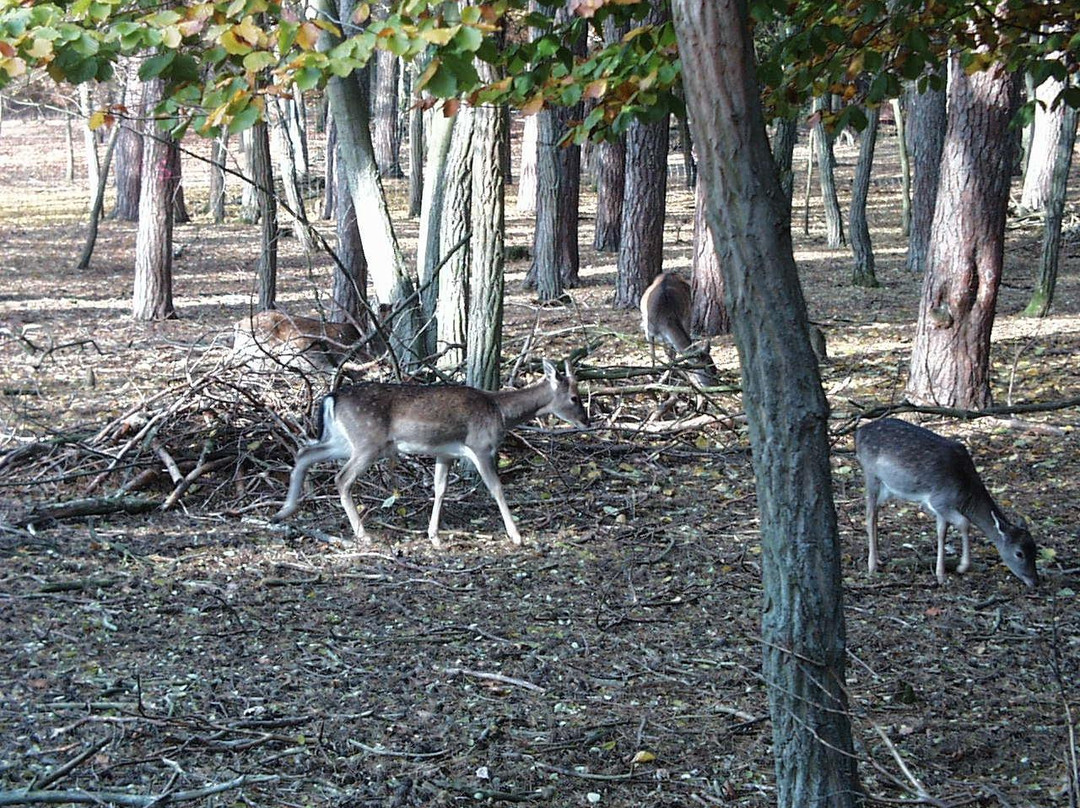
(613, 660)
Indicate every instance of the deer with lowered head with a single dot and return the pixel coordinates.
(665, 317)
(305, 342)
(367, 422)
(904, 461)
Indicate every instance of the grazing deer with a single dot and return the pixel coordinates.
(665, 317)
(305, 342)
(366, 422)
(905, 461)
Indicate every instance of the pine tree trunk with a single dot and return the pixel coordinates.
(527, 183)
(349, 297)
(610, 165)
(455, 222)
(1046, 133)
(544, 274)
(783, 151)
(129, 148)
(710, 314)
(826, 159)
(950, 360)
(152, 299)
(386, 136)
(641, 249)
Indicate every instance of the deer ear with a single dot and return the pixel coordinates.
(549, 372)
(569, 371)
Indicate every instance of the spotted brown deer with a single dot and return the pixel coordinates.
(905, 461)
(366, 422)
(665, 317)
(305, 342)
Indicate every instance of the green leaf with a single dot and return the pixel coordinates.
(156, 65)
(259, 60)
(442, 83)
(307, 78)
(244, 119)
(469, 39)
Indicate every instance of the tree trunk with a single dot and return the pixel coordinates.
(286, 160)
(783, 151)
(386, 136)
(454, 224)
(709, 314)
(249, 193)
(486, 251)
(899, 116)
(527, 183)
(641, 249)
(391, 283)
(98, 204)
(610, 166)
(863, 273)
(129, 148)
(1046, 133)
(1043, 294)
(262, 174)
(331, 186)
(348, 302)
(218, 154)
(803, 632)
(950, 360)
(834, 219)
(180, 211)
(568, 198)
(428, 251)
(544, 274)
(152, 299)
(93, 169)
(416, 155)
(925, 140)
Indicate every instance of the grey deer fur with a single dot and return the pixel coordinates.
(908, 462)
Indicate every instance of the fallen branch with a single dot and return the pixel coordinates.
(493, 677)
(39, 797)
(76, 508)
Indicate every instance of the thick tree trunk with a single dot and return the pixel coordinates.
(803, 634)
(863, 272)
(544, 274)
(440, 133)
(610, 163)
(709, 314)
(152, 299)
(262, 174)
(1043, 294)
(180, 211)
(950, 360)
(487, 256)
(129, 148)
(454, 223)
(925, 140)
(641, 249)
(568, 158)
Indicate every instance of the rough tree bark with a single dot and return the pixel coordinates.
(803, 633)
(386, 136)
(950, 358)
(925, 140)
(152, 299)
(862, 273)
(129, 148)
(1047, 131)
(709, 314)
(262, 175)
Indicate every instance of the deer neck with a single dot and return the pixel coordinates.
(981, 509)
(523, 404)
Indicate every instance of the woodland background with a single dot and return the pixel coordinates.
(613, 660)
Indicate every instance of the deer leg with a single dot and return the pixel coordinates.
(485, 464)
(942, 529)
(871, 526)
(305, 459)
(965, 543)
(346, 477)
(442, 471)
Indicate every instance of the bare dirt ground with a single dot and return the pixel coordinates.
(613, 660)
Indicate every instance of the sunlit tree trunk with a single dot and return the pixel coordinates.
(710, 315)
(950, 359)
(1047, 133)
(826, 159)
(152, 299)
(129, 148)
